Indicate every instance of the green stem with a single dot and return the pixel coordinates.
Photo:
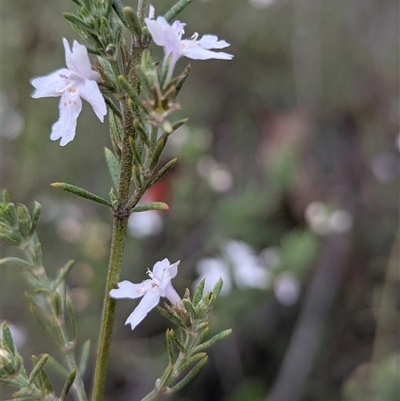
(121, 215)
(143, 9)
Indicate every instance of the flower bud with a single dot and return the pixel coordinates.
(24, 220)
(10, 235)
(9, 366)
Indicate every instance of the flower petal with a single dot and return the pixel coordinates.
(78, 60)
(51, 85)
(194, 51)
(64, 128)
(212, 42)
(91, 93)
(159, 267)
(171, 294)
(148, 302)
(126, 289)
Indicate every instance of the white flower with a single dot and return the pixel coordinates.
(72, 83)
(159, 285)
(169, 37)
(247, 269)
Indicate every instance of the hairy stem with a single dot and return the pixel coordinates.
(121, 215)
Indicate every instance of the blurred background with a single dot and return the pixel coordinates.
(286, 186)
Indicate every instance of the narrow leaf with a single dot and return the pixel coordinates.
(133, 21)
(162, 172)
(68, 384)
(213, 340)
(72, 318)
(38, 366)
(113, 167)
(77, 21)
(119, 10)
(7, 338)
(150, 206)
(176, 9)
(84, 357)
(16, 262)
(83, 193)
(170, 334)
(35, 217)
(190, 376)
(190, 308)
(199, 292)
(63, 273)
(44, 381)
(169, 316)
(165, 376)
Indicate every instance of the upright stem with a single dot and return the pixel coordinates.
(121, 215)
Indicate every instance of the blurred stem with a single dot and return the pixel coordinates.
(176, 9)
(386, 325)
(68, 347)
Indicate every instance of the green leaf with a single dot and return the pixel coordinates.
(68, 384)
(150, 206)
(119, 10)
(170, 334)
(130, 91)
(84, 357)
(63, 273)
(83, 193)
(199, 292)
(157, 151)
(190, 376)
(72, 318)
(162, 172)
(44, 381)
(38, 366)
(35, 217)
(190, 308)
(133, 21)
(77, 21)
(176, 10)
(7, 339)
(24, 220)
(213, 340)
(16, 262)
(113, 167)
(168, 315)
(165, 376)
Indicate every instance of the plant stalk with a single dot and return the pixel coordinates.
(121, 216)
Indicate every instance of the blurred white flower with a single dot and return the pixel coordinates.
(317, 216)
(340, 221)
(287, 289)
(271, 257)
(72, 83)
(323, 221)
(220, 179)
(259, 4)
(247, 270)
(385, 167)
(212, 270)
(159, 285)
(145, 224)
